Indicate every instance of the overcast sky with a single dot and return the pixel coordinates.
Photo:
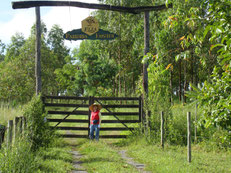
(21, 20)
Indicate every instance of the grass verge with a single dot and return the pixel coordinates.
(102, 158)
(174, 158)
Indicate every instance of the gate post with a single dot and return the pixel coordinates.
(2, 134)
(91, 101)
(140, 108)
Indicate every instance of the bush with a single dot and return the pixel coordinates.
(38, 131)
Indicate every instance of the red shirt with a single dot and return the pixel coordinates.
(95, 116)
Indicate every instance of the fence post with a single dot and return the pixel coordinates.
(189, 136)
(16, 122)
(23, 124)
(10, 133)
(195, 130)
(20, 125)
(89, 115)
(2, 133)
(162, 129)
(140, 108)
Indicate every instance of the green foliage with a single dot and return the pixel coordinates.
(2, 49)
(38, 131)
(214, 96)
(17, 82)
(18, 158)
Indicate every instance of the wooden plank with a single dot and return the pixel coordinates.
(103, 113)
(117, 98)
(69, 113)
(73, 136)
(121, 121)
(113, 136)
(68, 120)
(66, 97)
(120, 113)
(71, 128)
(66, 105)
(86, 136)
(86, 105)
(101, 129)
(86, 121)
(120, 106)
(133, 10)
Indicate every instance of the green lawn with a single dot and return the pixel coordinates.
(103, 157)
(174, 158)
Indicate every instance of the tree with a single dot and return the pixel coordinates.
(2, 49)
(13, 50)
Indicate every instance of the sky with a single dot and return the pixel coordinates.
(14, 21)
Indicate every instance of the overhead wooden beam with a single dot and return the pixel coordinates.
(133, 10)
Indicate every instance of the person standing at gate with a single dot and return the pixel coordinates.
(95, 120)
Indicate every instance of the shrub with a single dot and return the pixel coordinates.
(38, 131)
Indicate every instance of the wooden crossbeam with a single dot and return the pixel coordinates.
(101, 129)
(86, 136)
(86, 113)
(133, 10)
(86, 105)
(86, 121)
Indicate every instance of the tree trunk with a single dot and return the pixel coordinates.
(180, 89)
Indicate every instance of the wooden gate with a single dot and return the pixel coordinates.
(120, 115)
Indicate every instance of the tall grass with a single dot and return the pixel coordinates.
(8, 112)
(18, 158)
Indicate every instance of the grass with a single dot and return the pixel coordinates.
(19, 158)
(8, 113)
(55, 159)
(174, 158)
(102, 158)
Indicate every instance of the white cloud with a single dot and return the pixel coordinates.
(21, 22)
(23, 19)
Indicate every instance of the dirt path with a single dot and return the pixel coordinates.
(77, 163)
(140, 167)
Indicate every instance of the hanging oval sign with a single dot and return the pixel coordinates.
(90, 30)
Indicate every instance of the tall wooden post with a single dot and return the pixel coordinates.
(16, 130)
(189, 137)
(38, 52)
(146, 50)
(89, 114)
(162, 129)
(195, 130)
(10, 133)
